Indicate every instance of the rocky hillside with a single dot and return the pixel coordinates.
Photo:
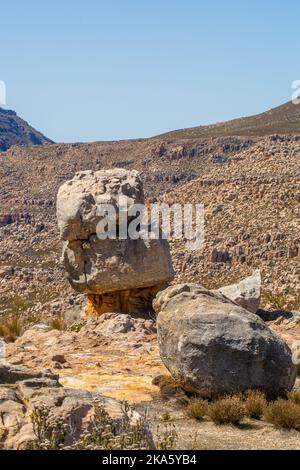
(15, 131)
(31, 278)
(284, 119)
(252, 218)
(250, 188)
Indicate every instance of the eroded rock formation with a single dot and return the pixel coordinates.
(116, 274)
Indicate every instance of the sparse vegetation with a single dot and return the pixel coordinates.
(166, 437)
(109, 434)
(11, 327)
(283, 414)
(58, 323)
(197, 409)
(106, 433)
(227, 410)
(49, 436)
(279, 301)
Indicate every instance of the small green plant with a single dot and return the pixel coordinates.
(76, 327)
(227, 410)
(197, 409)
(122, 434)
(255, 404)
(49, 435)
(283, 414)
(166, 417)
(166, 437)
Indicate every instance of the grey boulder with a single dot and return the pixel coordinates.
(211, 346)
(245, 293)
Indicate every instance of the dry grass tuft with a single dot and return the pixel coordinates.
(227, 410)
(255, 404)
(294, 397)
(197, 409)
(284, 414)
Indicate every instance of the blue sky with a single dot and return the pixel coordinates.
(102, 70)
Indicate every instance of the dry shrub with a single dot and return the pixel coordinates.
(227, 410)
(255, 404)
(294, 397)
(11, 327)
(58, 323)
(197, 409)
(283, 414)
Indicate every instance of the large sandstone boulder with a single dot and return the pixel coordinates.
(211, 346)
(245, 293)
(97, 266)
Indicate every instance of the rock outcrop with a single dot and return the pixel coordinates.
(211, 346)
(245, 293)
(26, 392)
(119, 265)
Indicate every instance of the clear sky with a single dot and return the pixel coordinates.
(101, 70)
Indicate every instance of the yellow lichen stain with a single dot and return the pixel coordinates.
(133, 389)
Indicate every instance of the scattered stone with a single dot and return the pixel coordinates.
(245, 293)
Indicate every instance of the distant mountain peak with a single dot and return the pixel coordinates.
(16, 131)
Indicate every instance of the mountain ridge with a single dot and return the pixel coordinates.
(283, 120)
(15, 131)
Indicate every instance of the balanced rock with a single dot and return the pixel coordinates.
(245, 293)
(212, 346)
(98, 266)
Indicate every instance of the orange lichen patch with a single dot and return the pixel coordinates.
(133, 389)
(132, 301)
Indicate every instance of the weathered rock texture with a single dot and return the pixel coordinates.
(245, 293)
(25, 390)
(212, 346)
(97, 267)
